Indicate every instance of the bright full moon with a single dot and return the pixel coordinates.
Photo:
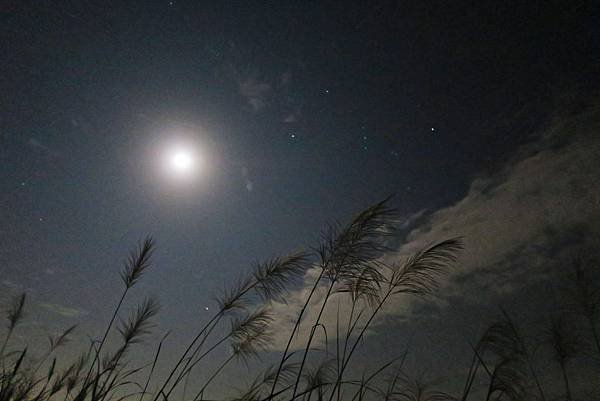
(182, 161)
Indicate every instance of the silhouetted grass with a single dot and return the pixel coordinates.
(347, 263)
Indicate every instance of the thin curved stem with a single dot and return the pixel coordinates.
(291, 337)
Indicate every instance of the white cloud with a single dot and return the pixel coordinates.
(540, 196)
(511, 222)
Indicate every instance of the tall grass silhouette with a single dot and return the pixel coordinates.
(347, 265)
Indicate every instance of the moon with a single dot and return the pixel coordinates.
(182, 162)
(179, 161)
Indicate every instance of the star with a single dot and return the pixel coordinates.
(293, 136)
(432, 129)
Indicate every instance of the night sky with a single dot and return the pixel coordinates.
(301, 114)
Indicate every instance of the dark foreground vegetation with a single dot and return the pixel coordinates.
(506, 363)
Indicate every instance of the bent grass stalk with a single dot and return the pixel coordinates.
(348, 266)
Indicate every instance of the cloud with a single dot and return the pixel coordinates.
(12, 285)
(275, 92)
(292, 117)
(529, 211)
(519, 224)
(62, 310)
(37, 144)
(256, 93)
(249, 185)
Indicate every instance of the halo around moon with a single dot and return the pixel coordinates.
(179, 162)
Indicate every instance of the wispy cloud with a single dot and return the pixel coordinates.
(293, 116)
(541, 208)
(12, 284)
(62, 310)
(257, 93)
(37, 144)
(247, 181)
